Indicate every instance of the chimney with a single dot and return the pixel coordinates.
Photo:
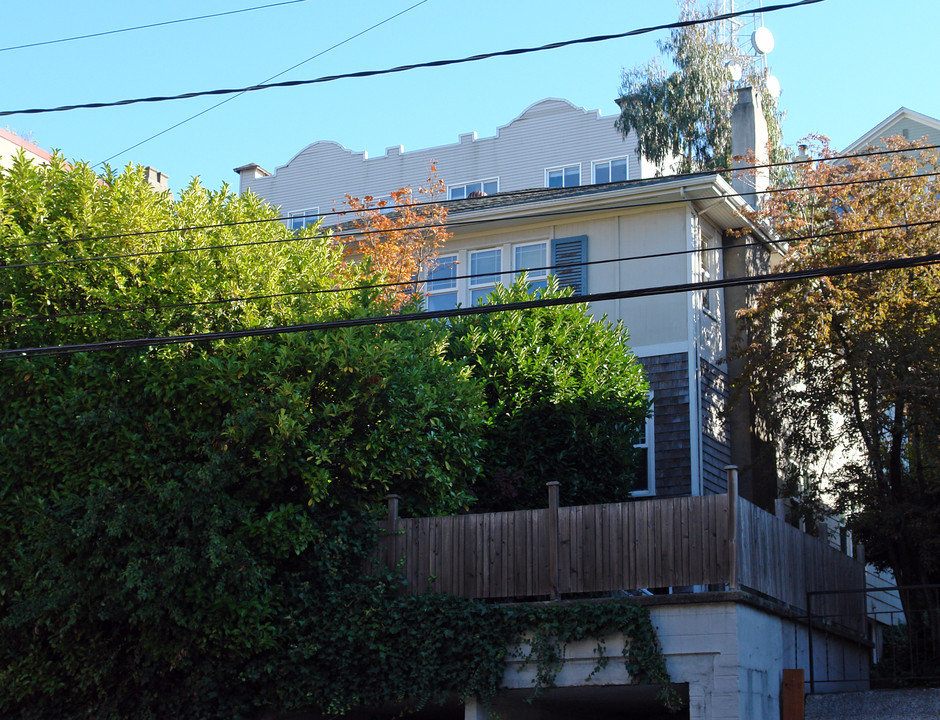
(159, 182)
(749, 140)
(247, 173)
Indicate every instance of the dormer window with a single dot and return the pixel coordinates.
(568, 176)
(610, 170)
(459, 192)
(303, 218)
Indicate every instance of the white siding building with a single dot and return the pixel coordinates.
(551, 144)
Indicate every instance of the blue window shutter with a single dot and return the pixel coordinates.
(571, 252)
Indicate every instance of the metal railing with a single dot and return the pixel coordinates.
(903, 633)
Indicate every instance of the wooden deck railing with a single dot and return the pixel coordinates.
(711, 540)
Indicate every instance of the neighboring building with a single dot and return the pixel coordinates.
(632, 235)
(11, 144)
(908, 124)
(726, 582)
(552, 144)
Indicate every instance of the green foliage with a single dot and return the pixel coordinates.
(56, 216)
(845, 371)
(236, 628)
(567, 401)
(184, 530)
(683, 116)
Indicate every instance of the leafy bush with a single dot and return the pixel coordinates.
(567, 401)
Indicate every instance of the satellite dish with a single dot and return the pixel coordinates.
(762, 40)
(773, 86)
(735, 69)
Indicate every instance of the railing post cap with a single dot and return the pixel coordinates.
(731, 467)
(551, 483)
(393, 496)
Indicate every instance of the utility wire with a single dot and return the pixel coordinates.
(514, 193)
(468, 276)
(273, 77)
(356, 232)
(790, 276)
(145, 27)
(414, 66)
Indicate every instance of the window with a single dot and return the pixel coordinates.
(485, 266)
(533, 258)
(442, 284)
(610, 170)
(569, 176)
(711, 270)
(459, 192)
(646, 470)
(303, 218)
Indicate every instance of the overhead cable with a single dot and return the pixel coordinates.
(344, 233)
(413, 66)
(267, 80)
(468, 276)
(790, 276)
(150, 25)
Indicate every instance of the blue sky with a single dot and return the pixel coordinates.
(844, 65)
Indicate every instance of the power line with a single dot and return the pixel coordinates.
(414, 66)
(150, 25)
(267, 80)
(514, 193)
(357, 232)
(148, 342)
(468, 276)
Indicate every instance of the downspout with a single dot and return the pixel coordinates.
(694, 360)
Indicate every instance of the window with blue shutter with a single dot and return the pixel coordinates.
(568, 258)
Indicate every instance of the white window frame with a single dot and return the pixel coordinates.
(306, 217)
(608, 162)
(450, 289)
(648, 443)
(464, 186)
(562, 169)
(711, 269)
(475, 283)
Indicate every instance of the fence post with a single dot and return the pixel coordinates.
(391, 537)
(553, 540)
(809, 629)
(732, 471)
(792, 700)
(393, 510)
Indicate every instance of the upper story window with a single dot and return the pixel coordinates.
(485, 267)
(303, 218)
(533, 259)
(467, 277)
(610, 170)
(646, 470)
(459, 192)
(569, 176)
(711, 270)
(442, 284)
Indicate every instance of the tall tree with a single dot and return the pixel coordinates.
(167, 513)
(682, 116)
(845, 370)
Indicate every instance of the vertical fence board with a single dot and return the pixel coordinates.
(660, 542)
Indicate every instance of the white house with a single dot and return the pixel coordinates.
(559, 190)
(551, 144)
(908, 124)
(561, 184)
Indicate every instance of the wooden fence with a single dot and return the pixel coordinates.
(712, 540)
